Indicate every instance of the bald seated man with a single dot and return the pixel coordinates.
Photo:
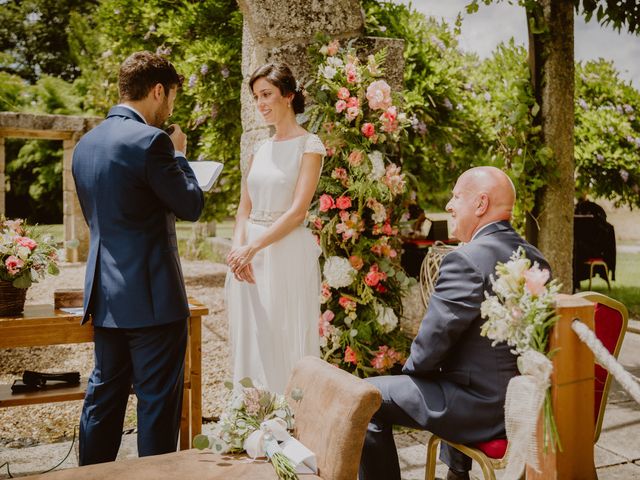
(454, 382)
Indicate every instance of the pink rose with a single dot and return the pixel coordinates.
(353, 102)
(351, 73)
(379, 95)
(347, 303)
(368, 130)
(535, 280)
(328, 316)
(352, 113)
(389, 120)
(339, 173)
(26, 242)
(356, 262)
(333, 47)
(343, 202)
(13, 264)
(355, 158)
(343, 93)
(341, 105)
(326, 202)
(350, 356)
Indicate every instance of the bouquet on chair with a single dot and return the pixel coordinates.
(258, 421)
(522, 313)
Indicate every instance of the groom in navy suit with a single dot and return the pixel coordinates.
(133, 180)
(454, 381)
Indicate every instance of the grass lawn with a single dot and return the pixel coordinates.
(626, 288)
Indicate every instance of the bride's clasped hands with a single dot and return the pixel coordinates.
(239, 262)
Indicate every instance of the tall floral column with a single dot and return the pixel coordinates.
(359, 210)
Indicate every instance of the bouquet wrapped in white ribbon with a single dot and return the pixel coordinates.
(258, 421)
(521, 313)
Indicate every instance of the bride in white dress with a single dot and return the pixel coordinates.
(273, 284)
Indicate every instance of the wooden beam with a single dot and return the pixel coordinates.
(9, 132)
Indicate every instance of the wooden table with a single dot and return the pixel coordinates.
(41, 325)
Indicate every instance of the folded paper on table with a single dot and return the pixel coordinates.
(73, 310)
(206, 172)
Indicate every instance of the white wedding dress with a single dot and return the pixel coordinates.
(274, 322)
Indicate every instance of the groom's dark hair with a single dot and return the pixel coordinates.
(144, 70)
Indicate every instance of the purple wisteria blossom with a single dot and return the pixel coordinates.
(204, 69)
(448, 148)
(447, 104)
(624, 175)
(192, 80)
(583, 104)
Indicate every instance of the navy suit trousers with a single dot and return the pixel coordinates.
(379, 455)
(152, 360)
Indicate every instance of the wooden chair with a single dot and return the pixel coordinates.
(598, 262)
(331, 418)
(611, 318)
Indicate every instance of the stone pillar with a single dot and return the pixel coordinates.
(2, 178)
(280, 30)
(76, 232)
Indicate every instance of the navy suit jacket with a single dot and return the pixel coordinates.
(131, 188)
(449, 349)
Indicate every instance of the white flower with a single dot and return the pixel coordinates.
(338, 272)
(386, 318)
(377, 164)
(328, 72)
(335, 62)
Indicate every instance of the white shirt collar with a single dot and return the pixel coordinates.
(482, 228)
(134, 111)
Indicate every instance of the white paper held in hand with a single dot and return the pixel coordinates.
(206, 172)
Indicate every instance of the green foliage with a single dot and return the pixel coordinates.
(445, 138)
(33, 37)
(619, 14)
(503, 99)
(607, 132)
(204, 41)
(34, 167)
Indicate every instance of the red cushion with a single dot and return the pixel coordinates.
(592, 260)
(493, 448)
(608, 327)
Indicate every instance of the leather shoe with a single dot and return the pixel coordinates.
(453, 475)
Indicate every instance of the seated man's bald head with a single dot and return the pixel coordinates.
(482, 195)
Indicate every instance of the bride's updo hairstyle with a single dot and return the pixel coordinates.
(279, 75)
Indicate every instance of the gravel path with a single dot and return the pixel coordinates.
(46, 423)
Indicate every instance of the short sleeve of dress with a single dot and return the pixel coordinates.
(313, 144)
(257, 145)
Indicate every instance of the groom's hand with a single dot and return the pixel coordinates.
(178, 137)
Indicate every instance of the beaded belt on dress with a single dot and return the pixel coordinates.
(264, 217)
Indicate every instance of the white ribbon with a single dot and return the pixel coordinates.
(255, 443)
(525, 395)
(265, 440)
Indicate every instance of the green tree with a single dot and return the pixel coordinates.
(33, 37)
(204, 41)
(607, 134)
(446, 136)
